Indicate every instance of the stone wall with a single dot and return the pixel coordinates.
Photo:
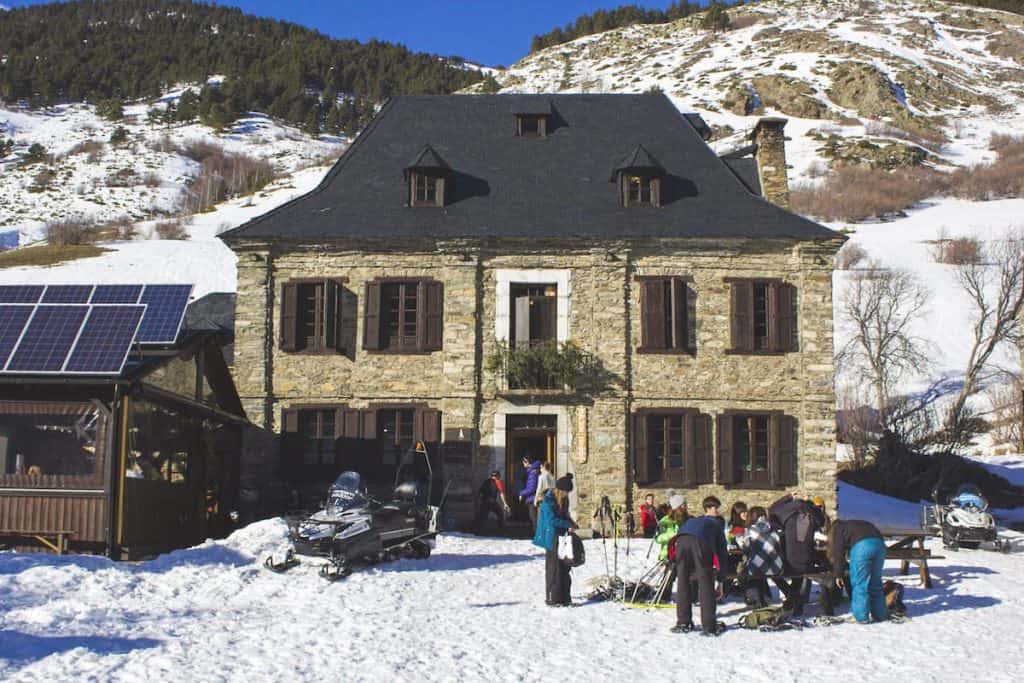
(604, 319)
(770, 139)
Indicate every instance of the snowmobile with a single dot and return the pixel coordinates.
(964, 520)
(354, 527)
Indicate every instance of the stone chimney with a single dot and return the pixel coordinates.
(770, 154)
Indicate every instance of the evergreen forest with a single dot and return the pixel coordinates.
(112, 51)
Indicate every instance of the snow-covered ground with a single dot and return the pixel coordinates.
(473, 611)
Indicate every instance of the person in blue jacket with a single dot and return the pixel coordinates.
(553, 520)
(698, 540)
(529, 491)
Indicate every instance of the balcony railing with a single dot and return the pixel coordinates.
(547, 366)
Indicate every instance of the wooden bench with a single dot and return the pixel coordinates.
(54, 539)
(909, 547)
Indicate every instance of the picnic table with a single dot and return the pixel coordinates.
(54, 539)
(908, 546)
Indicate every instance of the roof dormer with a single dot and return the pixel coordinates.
(639, 176)
(429, 179)
(532, 118)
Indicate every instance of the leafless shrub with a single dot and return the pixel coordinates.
(122, 177)
(200, 150)
(152, 180)
(857, 422)
(70, 232)
(223, 176)
(122, 229)
(1007, 413)
(744, 21)
(854, 193)
(817, 169)
(911, 131)
(956, 250)
(89, 147)
(43, 180)
(1003, 177)
(172, 229)
(163, 144)
(850, 255)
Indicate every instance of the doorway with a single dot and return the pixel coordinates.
(532, 437)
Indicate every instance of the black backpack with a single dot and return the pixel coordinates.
(488, 491)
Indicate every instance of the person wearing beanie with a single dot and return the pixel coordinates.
(553, 520)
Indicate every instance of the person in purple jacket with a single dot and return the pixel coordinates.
(529, 491)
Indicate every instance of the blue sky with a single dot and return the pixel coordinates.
(489, 31)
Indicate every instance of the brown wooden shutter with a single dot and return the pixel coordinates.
(331, 316)
(680, 331)
(289, 317)
(689, 449)
(641, 462)
(783, 316)
(433, 320)
(703, 455)
(652, 312)
(545, 314)
(440, 196)
(782, 450)
(349, 419)
(289, 421)
(428, 425)
(371, 316)
(742, 313)
(726, 461)
(369, 419)
(655, 191)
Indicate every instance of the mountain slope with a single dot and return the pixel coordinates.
(916, 80)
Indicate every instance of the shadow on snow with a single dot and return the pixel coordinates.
(22, 648)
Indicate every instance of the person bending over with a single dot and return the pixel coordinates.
(700, 540)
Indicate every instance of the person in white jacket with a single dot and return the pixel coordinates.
(545, 482)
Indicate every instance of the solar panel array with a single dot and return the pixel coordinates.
(84, 329)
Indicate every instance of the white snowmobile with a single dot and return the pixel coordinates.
(354, 527)
(964, 520)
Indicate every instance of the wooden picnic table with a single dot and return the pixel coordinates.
(907, 547)
(54, 539)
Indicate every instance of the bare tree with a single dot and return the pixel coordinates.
(994, 285)
(881, 304)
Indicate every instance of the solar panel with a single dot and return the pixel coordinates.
(47, 339)
(116, 294)
(12, 323)
(67, 294)
(20, 294)
(105, 340)
(164, 313)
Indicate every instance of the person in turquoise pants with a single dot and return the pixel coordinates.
(867, 558)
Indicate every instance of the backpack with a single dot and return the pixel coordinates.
(579, 555)
(764, 618)
(672, 548)
(893, 591)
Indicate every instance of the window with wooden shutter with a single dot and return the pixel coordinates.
(640, 190)
(672, 446)
(429, 426)
(311, 316)
(666, 305)
(757, 449)
(763, 316)
(404, 316)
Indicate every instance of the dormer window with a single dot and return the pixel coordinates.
(531, 125)
(639, 177)
(429, 178)
(425, 190)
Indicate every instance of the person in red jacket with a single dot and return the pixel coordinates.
(649, 517)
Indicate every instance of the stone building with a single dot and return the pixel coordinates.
(571, 277)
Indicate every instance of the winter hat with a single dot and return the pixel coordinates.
(819, 501)
(564, 483)
(676, 501)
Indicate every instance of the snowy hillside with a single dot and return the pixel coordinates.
(472, 611)
(910, 77)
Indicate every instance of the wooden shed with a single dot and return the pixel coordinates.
(129, 464)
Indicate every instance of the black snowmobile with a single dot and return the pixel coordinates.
(354, 527)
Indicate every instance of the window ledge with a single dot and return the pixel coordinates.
(536, 392)
(315, 352)
(734, 352)
(667, 352)
(756, 485)
(398, 352)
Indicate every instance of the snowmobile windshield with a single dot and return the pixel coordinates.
(345, 491)
(969, 495)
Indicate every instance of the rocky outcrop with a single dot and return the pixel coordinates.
(789, 96)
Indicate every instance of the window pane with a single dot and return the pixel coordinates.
(309, 296)
(667, 308)
(760, 444)
(409, 312)
(760, 316)
(48, 444)
(656, 447)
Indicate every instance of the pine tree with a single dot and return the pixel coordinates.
(311, 126)
(111, 109)
(490, 84)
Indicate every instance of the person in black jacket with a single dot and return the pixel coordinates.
(864, 542)
(798, 518)
(698, 539)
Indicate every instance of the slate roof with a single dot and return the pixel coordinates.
(522, 187)
(428, 159)
(638, 160)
